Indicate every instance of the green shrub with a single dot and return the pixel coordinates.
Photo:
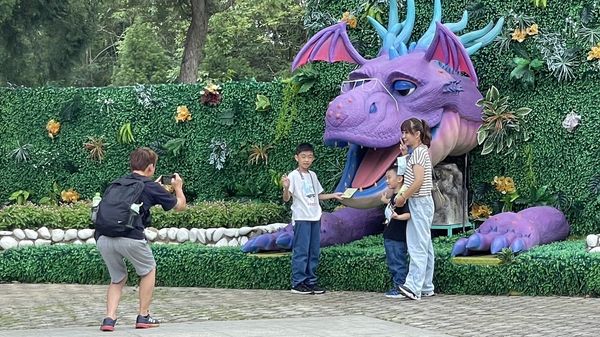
(562, 268)
(202, 215)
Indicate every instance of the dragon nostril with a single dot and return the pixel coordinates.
(373, 108)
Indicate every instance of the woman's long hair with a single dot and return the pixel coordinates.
(413, 125)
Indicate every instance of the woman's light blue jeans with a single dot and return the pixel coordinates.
(418, 238)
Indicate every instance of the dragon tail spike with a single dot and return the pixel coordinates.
(491, 35)
(460, 25)
(409, 23)
(426, 39)
(467, 38)
(402, 49)
(393, 53)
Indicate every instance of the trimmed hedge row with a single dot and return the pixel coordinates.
(562, 268)
(202, 215)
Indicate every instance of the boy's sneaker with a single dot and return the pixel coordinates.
(429, 294)
(315, 289)
(404, 291)
(393, 293)
(301, 289)
(145, 322)
(108, 324)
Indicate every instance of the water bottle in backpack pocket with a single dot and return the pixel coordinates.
(120, 208)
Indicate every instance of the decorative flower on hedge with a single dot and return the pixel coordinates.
(594, 53)
(571, 121)
(532, 30)
(504, 185)
(69, 196)
(211, 95)
(350, 19)
(53, 128)
(519, 35)
(183, 114)
(480, 211)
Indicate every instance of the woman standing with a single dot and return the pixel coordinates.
(416, 134)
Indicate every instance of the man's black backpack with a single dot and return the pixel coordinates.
(119, 210)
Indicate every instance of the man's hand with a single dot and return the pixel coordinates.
(177, 182)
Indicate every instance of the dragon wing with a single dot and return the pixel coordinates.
(330, 44)
(448, 49)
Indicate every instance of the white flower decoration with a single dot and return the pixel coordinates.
(571, 121)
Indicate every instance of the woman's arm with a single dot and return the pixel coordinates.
(419, 172)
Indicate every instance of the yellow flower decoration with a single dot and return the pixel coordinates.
(594, 53)
(183, 114)
(519, 35)
(211, 88)
(532, 30)
(480, 211)
(350, 19)
(504, 185)
(53, 128)
(69, 195)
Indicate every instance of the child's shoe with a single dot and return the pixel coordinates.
(393, 293)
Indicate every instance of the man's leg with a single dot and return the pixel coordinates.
(146, 289)
(113, 296)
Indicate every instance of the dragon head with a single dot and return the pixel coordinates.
(432, 79)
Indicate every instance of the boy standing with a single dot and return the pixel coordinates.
(132, 245)
(303, 186)
(394, 233)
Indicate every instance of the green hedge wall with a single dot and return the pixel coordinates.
(201, 215)
(564, 161)
(562, 268)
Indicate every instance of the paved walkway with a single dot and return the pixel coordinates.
(57, 310)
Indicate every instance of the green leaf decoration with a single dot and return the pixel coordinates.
(262, 103)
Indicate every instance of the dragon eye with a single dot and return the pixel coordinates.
(404, 87)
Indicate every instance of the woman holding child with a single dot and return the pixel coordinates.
(416, 134)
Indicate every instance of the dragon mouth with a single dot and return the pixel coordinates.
(365, 170)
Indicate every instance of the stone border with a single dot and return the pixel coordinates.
(218, 237)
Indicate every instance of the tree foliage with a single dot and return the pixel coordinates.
(254, 39)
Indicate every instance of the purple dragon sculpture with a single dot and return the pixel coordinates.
(517, 231)
(431, 79)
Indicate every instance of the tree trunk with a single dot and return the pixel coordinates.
(194, 42)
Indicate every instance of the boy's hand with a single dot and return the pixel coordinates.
(395, 215)
(285, 182)
(337, 196)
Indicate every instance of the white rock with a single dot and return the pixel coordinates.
(25, 243)
(8, 242)
(44, 233)
(42, 242)
(31, 234)
(243, 240)
(193, 234)
(183, 235)
(172, 233)
(221, 243)
(58, 235)
(70, 234)
(232, 232)
(91, 241)
(5, 233)
(162, 234)
(19, 233)
(244, 230)
(151, 234)
(233, 242)
(85, 234)
(77, 242)
(209, 234)
(202, 235)
(595, 250)
(258, 229)
(218, 234)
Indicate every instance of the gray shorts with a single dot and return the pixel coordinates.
(137, 252)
